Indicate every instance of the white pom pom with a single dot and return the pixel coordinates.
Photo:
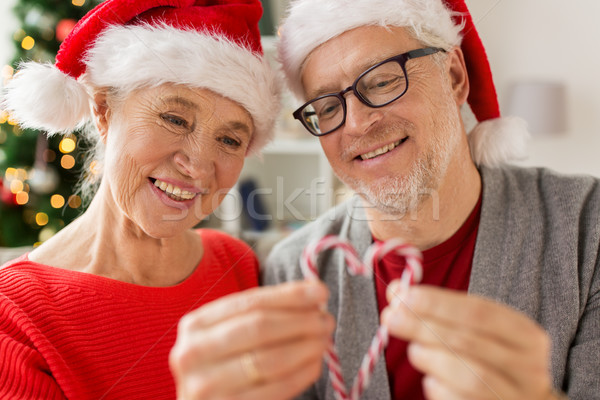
(42, 97)
(499, 141)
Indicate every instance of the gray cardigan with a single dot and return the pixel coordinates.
(537, 250)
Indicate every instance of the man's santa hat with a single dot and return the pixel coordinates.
(439, 23)
(126, 44)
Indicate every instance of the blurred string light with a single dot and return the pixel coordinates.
(15, 173)
(46, 233)
(16, 178)
(27, 43)
(16, 186)
(67, 161)
(41, 219)
(74, 201)
(78, 3)
(95, 167)
(22, 198)
(10, 173)
(67, 145)
(57, 201)
(3, 117)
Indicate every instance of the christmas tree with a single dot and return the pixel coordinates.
(38, 176)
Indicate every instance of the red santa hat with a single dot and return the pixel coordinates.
(438, 23)
(127, 44)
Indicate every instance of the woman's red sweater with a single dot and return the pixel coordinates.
(73, 335)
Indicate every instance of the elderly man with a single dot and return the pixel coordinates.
(509, 305)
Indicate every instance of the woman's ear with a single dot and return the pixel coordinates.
(459, 77)
(101, 112)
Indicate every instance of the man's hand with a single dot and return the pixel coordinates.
(264, 343)
(469, 347)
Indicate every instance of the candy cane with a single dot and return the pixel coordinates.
(412, 274)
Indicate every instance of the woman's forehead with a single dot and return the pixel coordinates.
(195, 99)
(202, 103)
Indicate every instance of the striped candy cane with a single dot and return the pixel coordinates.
(411, 275)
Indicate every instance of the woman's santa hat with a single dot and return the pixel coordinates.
(126, 44)
(439, 23)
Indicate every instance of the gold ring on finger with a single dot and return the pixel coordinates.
(248, 362)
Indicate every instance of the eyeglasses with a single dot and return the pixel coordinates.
(377, 87)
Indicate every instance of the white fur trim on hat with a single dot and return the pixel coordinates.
(313, 22)
(136, 56)
(41, 97)
(497, 141)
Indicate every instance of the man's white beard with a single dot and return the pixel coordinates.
(401, 195)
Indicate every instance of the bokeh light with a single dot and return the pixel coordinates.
(16, 186)
(46, 233)
(57, 201)
(22, 198)
(3, 116)
(67, 161)
(27, 43)
(74, 201)
(95, 167)
(67, 145)
(41, 219)
(10, 173)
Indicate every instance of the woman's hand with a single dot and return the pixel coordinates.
(469, 347)
(264, 343)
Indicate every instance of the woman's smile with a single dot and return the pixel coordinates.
(175, 191)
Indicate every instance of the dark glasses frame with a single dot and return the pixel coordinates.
(401, 59)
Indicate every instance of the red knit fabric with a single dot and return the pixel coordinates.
(66, 334)
(446, 265)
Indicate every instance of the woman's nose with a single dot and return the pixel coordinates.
(196, 166)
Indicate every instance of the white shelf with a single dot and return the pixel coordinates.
(309, 146)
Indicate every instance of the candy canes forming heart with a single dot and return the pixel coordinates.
(412, 274)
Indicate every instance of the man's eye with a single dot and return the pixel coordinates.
(328, 110)
(383, 83)
(174, 120)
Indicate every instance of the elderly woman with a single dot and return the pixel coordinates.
(178, 94)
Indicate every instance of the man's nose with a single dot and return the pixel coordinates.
(359, 116)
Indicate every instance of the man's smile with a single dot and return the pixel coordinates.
(381, 150)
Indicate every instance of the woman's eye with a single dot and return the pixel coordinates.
(174, 120)
(230, 142)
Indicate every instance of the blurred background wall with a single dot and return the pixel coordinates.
(550, 41)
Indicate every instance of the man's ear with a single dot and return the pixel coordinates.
(459, 78)
(101, 112)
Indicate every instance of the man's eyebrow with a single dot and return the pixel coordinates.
(361, 67)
